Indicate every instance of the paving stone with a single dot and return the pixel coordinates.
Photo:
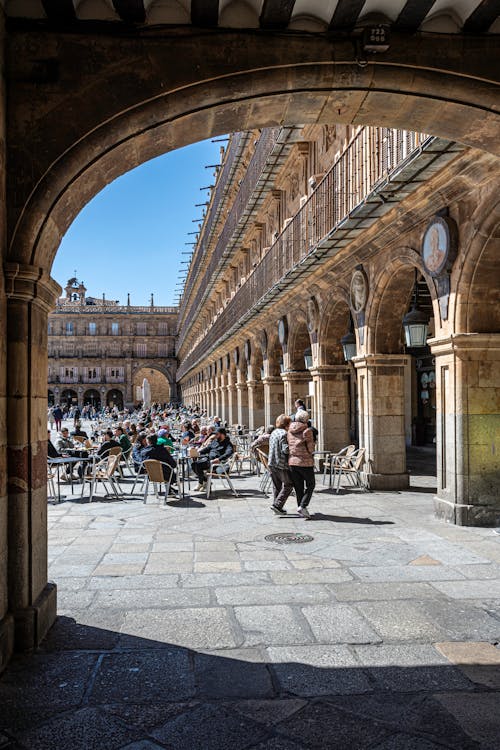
(68, 635)
(272, 594)
(219, 677)
(87, 729)
(119, 570)
(246, 578)
(461, 620)
(134, 582)
(401, 620)
(143, 677)
(407, 742)
(37, 687)
(277, 743)
(477, 714)
(266, 565)
(339, 623)
(216, 567)
(318, 670)
(357, 591)
(69, 600)
(201, 627)
(489, 589)
(271, 625)
(227, 730)
(479, 662)
(321, 575)
(406, 573)
(142, 745)
(269, 712)
(148, 598)
(480, 572)
(148, 716)
(321, 725)
(411, 667)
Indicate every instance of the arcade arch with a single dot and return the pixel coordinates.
(160, 383)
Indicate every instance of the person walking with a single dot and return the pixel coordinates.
(278, 464)
(301, 460)
(58, 416)
(50, 417)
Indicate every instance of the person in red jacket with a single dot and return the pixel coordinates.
(301, 460)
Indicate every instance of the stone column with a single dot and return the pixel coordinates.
(381, 388)
(255, 404)
(242, 395)
(222, 399)
(296, 385)
(216, 395)
(231, 399)
(468, 428)
(32, 600)
(331, 413)
(274, 403)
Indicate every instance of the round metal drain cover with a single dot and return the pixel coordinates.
(289, 538)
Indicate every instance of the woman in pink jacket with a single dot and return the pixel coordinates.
(301, 460)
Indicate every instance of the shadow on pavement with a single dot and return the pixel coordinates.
(88, 687)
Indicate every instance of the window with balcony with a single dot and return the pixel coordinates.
(141, 329)
(92, 329)
(163, 329)
(141, 350)
(70, 328)
(115, 329)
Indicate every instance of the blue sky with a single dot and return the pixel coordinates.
(130, 237)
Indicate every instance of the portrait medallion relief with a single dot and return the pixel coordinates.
(439, 245)
(358, 291)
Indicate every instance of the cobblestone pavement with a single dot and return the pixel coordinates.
(181, 626)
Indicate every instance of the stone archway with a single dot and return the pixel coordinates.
(161, 386)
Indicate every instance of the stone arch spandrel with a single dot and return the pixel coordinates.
(298, 339)
(389, 297)
(476, 296)
(165, 104)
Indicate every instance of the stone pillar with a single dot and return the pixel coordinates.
(256, 416)
(231, 399)
(331, 413)
(222, 399)
(216, 392)
(381, 388)
(274, 402)
(242, 395)
(32, 600)
(468, 428)
(296, 385)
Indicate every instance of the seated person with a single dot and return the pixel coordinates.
(78, 432)
(218, 451)
(123, 440)
(51, 449)
(64, 446)
(159, 453)
(187, 433)
(109, 443)
(165, 438)
(63, 443)
(137, 448)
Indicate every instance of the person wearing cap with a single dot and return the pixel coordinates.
(301, 460)
(164, 438)
(217, 452)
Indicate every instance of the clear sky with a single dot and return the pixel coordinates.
(130, 237)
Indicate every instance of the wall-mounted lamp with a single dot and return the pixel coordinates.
(415, 322)
(348, 342)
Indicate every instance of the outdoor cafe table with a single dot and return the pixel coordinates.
(65, 461)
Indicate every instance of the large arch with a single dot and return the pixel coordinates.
(286, 82)
(160, 380)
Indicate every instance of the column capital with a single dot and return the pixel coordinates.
(272, 380)
(475, 344)
(252, 383)
(296, 376)
(241, 385)
(29, 283)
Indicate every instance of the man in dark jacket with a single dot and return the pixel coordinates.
(159, 453)
(109, 443)
(217, 451)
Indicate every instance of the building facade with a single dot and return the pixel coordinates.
(321, 237)
(100, 351)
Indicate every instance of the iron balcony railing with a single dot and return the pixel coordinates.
(77, 308)
(368, 161)
(257, 163)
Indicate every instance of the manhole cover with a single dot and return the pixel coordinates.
(289, 538)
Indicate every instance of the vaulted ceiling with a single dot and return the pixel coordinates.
(438, 16)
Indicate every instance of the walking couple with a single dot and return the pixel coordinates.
(291, 462)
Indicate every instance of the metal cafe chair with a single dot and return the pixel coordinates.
(221, 471)
(332, 460)
(102, 471)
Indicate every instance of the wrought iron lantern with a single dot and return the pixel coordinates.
(348, 342)
(415, 323)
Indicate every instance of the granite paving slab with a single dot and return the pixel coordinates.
(339, 623)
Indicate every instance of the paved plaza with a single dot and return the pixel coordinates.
(180, 626)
